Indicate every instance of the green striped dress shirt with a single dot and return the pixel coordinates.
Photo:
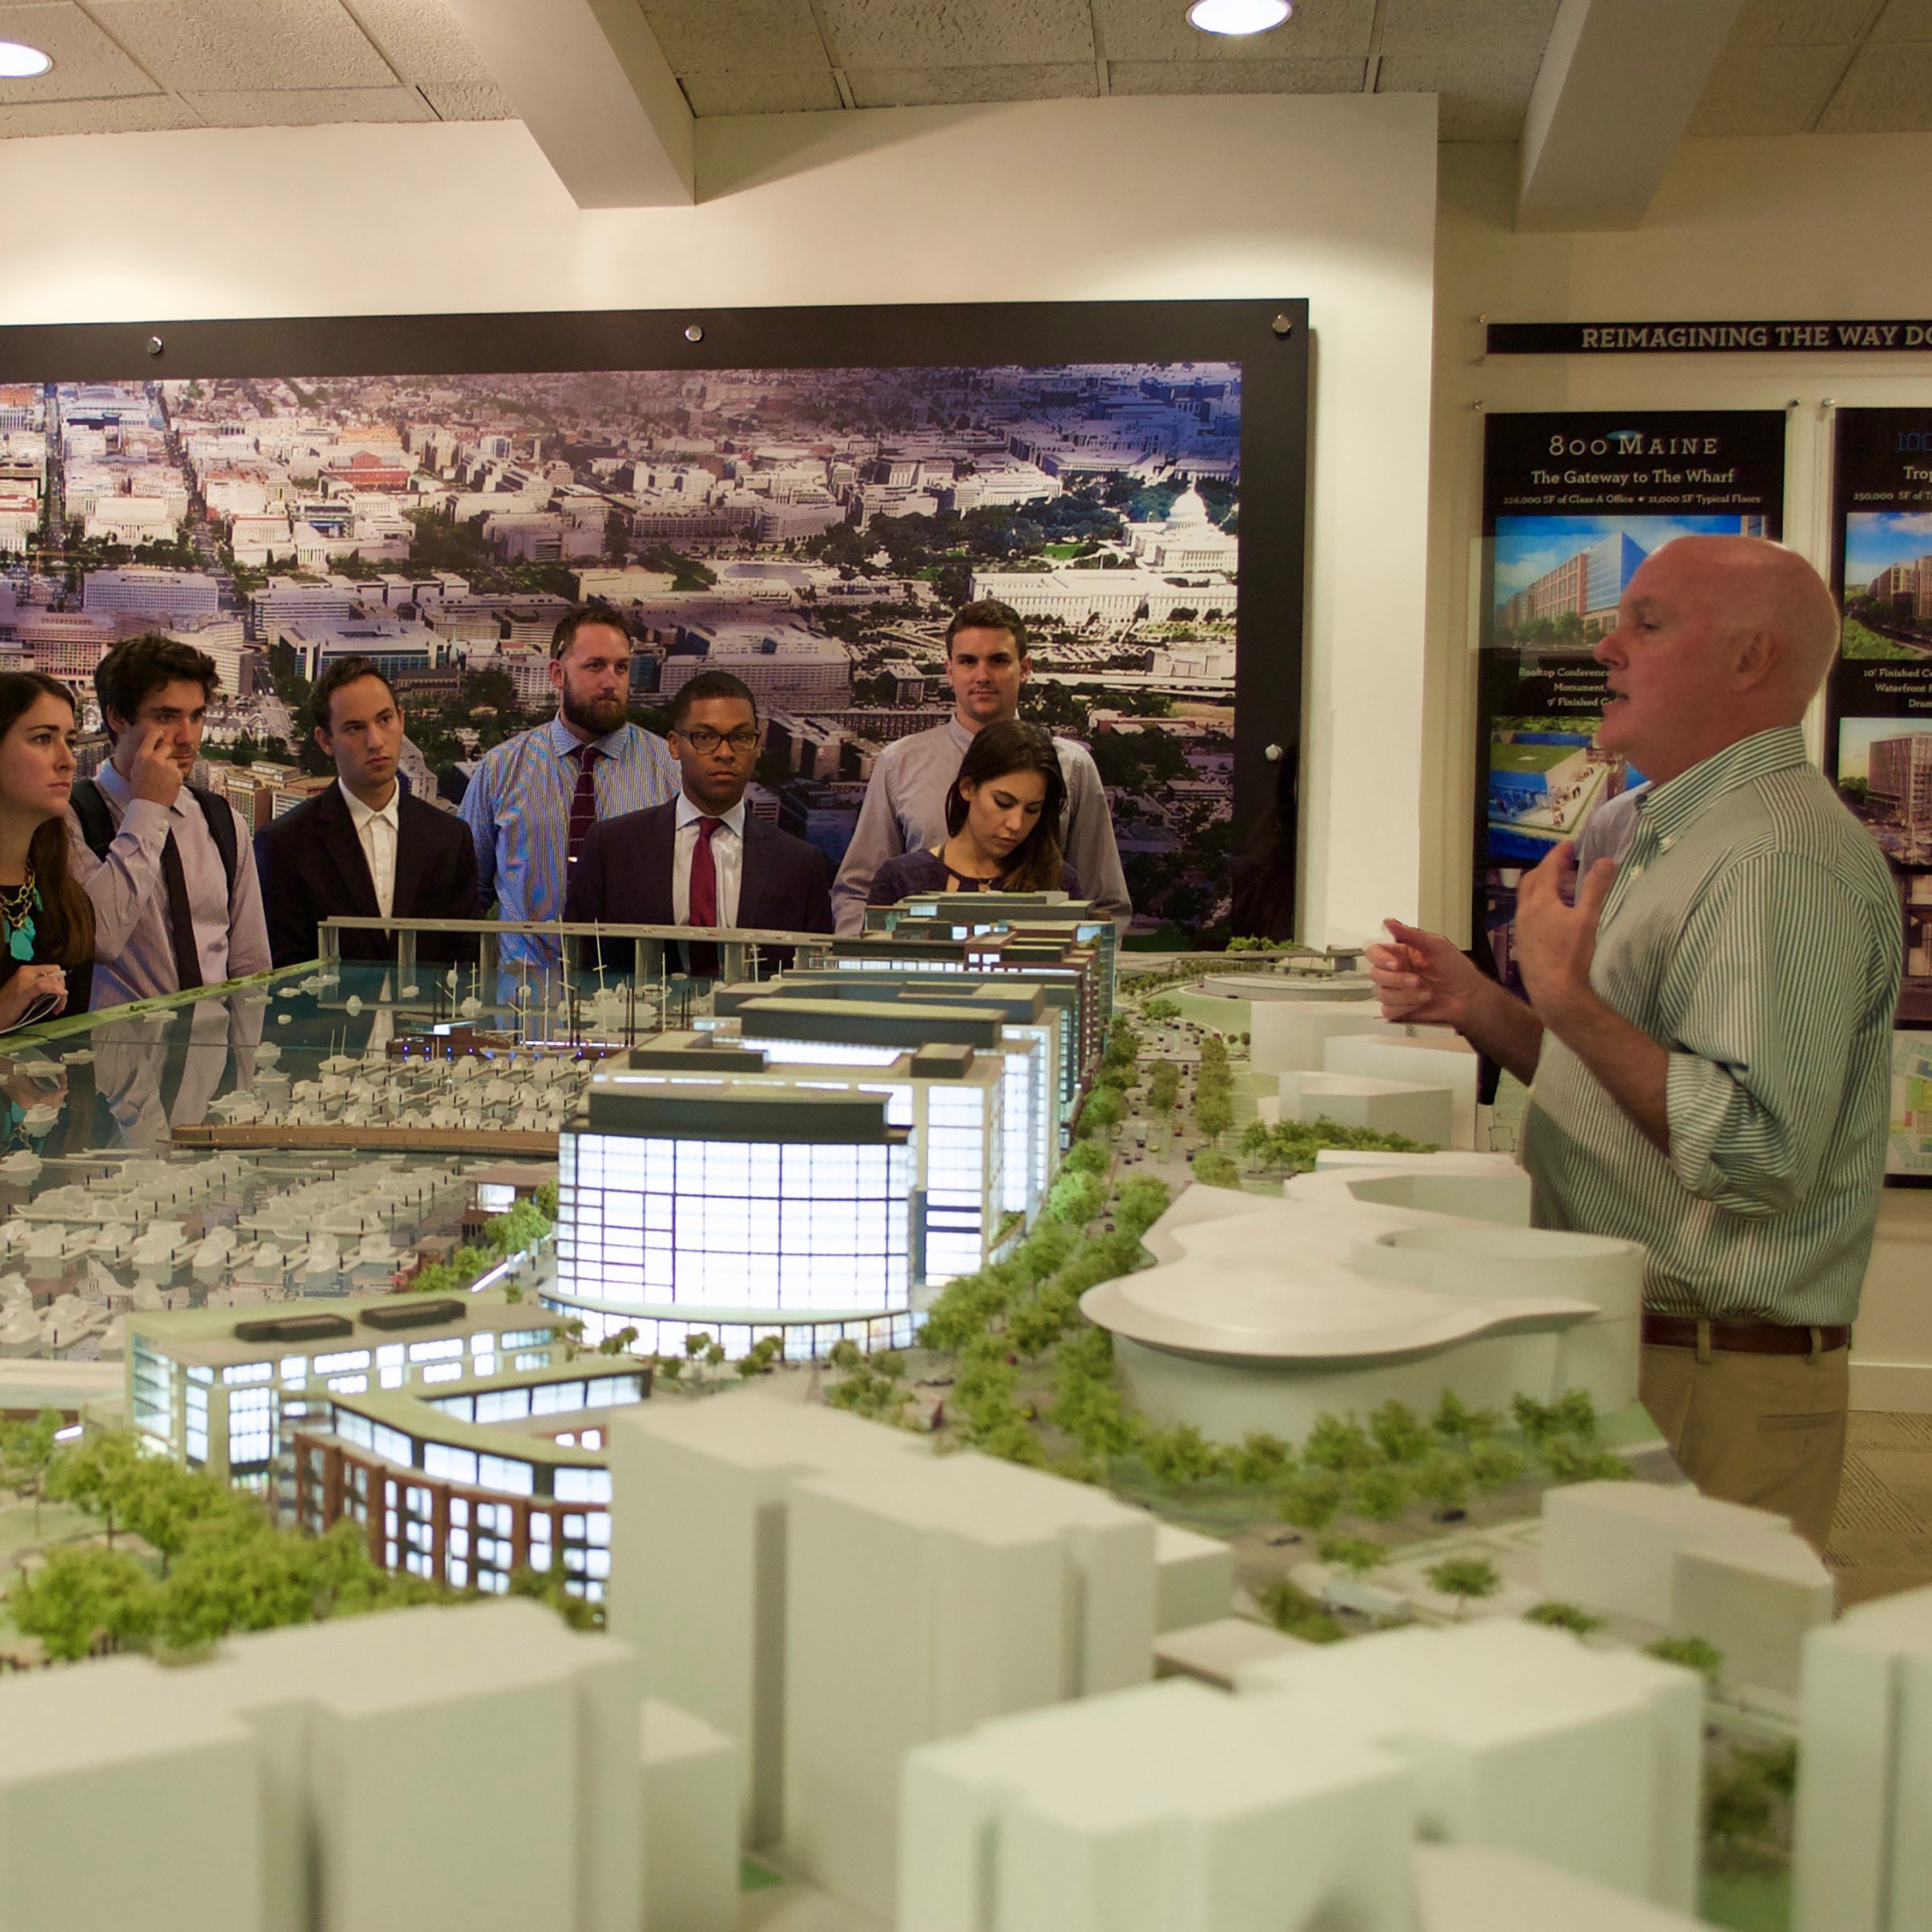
(1753, 931)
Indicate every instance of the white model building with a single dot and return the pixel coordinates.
(1264, 1314)
(1740, 1579)
(1296, 1802)
(1862, 1857)
(472, 1769)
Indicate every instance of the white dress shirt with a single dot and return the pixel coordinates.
(377, 831)
(727, 859)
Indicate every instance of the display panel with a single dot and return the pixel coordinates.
(1572, 505)
(801, 497)
(1878, 726)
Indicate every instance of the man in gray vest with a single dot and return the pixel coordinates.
(1708, 1031)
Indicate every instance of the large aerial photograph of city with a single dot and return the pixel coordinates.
(810, 530)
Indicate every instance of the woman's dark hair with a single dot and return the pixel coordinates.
(65, 932)
(997, 751)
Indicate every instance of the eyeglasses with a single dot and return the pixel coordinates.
(701, 738)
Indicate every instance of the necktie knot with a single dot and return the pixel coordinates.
(707, 827)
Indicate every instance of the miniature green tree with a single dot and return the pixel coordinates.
(714, 1355)
(1494, 1466)
(618, 1343)
(1257, 1148)
(1311, 1500)
(1455, 1423)
(1213, 1114)
(1570, 1461)
(696, 1341)
(1104, 1112)
(1160, 1011)
(94, 1474)
(1467, 1579)
(1139, 1201)
(1262, 1459)
(1075, 1199)
(1379, 1494)
(27, 1449)
(1180, 1456)
(1357, 1554)
(1295, 1614)
(1214, 1169)
(1086, 1156)
(1399, 1432)
(1563, 1616)
(81, 1596)
(1442, 1479)
(1338, 1443)
(1693, 1652)
(1164, 1088)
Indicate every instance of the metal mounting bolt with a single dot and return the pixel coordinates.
(693, 333)
(154, 345)
(1272, 754)
(1282, 325)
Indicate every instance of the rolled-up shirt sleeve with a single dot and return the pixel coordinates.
(1769, 986)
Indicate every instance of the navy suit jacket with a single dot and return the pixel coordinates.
(311, 865)
(622, 875)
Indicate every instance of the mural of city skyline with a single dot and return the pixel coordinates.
(810, 530)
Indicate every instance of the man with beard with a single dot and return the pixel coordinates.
(535, 796)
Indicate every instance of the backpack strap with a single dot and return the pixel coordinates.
(97, 822)
(220, 817)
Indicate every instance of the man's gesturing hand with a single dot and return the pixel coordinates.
(1422, 978)
(1556, 941)
(155, 775)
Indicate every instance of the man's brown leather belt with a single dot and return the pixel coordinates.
(1742, 1338)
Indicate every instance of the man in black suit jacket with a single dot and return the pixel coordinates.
(702, 860)
(365, 847)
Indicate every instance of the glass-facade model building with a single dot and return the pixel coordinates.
(1044, 917)
(467, 1484)
(222, 1391)
(741, 1211)
(1030, 1034)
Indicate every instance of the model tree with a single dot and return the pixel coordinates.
(94, 1474)
(1311, 1500)
(1572, 1617)
(81, 1598)
(1467, 1578)
(26, 1452)
(1357, 1554)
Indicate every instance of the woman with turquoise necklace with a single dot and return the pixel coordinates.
(46, 924)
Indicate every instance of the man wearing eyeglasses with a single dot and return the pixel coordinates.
(703, 859)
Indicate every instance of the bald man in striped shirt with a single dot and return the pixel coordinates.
(1708, 1031)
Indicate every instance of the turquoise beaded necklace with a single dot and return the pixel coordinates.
(18, 905)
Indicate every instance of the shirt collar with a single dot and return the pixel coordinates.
(689, 814)
(115, 786)
(362, 813)
(564, 741)
(1666, 809)
(958, 733)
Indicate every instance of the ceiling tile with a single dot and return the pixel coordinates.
(1888, 90)
(956, 33)
(745, 36)
(145, 114)
(1485, 90)
(1799, 22)
(1765, 90)
(1336, 76)
(308, 106)
(231, 46)
(942, 86)
(87, 64)
(1904, 20)
(1157, 29)
(467, 100)
(1416, 25)
(421, 40)
(711, 94)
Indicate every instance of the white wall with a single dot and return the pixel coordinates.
(1810, 226)
(1330, 198)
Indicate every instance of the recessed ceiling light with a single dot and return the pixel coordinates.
(20, 62)
(1238, 16)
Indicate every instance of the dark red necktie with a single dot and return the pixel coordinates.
(584, 800)
(705, 896)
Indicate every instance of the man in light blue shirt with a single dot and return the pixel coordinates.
(534, 796)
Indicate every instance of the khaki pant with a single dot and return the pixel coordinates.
(1765, 1429)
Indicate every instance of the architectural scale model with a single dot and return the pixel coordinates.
(928, 1686)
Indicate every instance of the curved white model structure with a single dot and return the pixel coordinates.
(1376, 1277)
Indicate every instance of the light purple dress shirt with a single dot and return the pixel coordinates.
(134, 948)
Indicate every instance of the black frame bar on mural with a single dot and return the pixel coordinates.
(1270, 340)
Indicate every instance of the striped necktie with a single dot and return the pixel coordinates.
(584, 800)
